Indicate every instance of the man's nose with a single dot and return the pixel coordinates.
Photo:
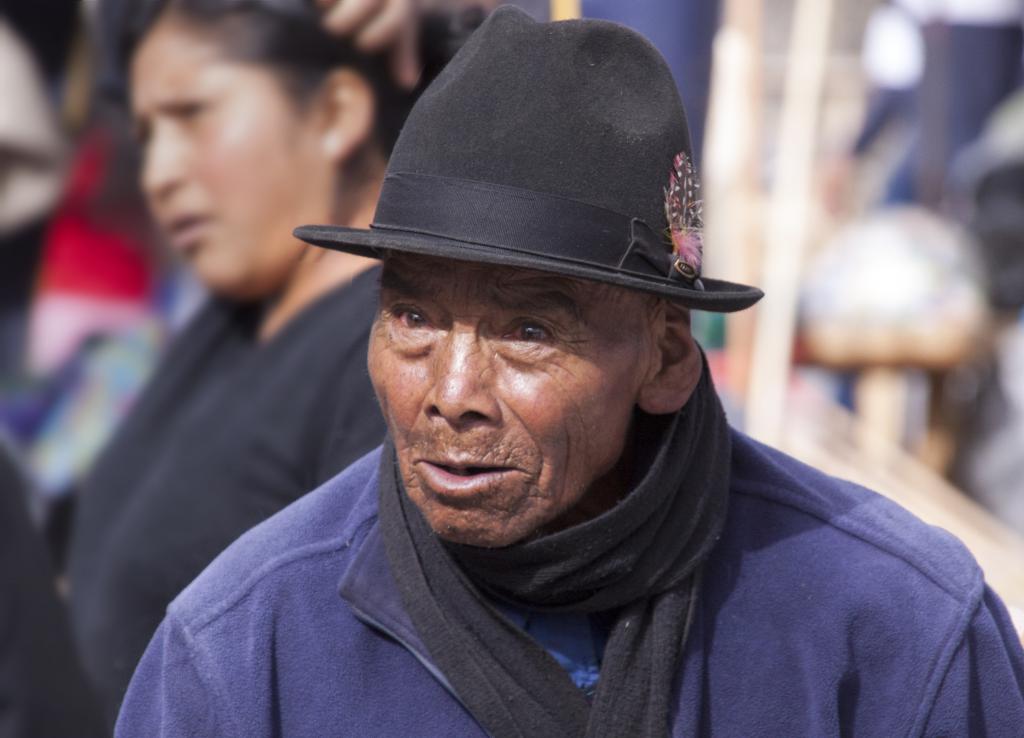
(463, 394)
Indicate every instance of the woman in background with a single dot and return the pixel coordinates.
(252, 119)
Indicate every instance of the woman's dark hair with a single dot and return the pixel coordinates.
(288, 37)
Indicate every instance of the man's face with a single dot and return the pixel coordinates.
(508, 393)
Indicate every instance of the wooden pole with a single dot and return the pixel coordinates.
(732, 181)
(789, 217)
(566, 9)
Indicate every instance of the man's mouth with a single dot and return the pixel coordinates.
(469, 471)
(447, 479)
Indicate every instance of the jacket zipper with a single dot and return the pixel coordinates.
(434, 671)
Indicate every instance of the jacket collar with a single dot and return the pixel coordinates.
(370, 591)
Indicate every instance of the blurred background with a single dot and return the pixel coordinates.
(862, 161)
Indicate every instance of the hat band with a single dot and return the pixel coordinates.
(524, 221)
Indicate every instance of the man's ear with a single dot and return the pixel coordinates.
(678, 367)
(348, 112)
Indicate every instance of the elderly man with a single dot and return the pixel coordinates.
(562, 536)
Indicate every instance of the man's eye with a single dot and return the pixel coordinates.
(410, 318)
(531, 332)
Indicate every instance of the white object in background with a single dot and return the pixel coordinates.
(966, 12)
(893, 53)
(32, 168)
(897, 287)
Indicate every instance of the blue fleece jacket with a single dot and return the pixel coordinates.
(827, 611)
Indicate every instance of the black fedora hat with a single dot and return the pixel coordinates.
(561, 147)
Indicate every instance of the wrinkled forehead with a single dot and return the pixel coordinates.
(499, 286)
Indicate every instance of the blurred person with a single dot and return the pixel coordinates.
(48, 28)
(943, 66)
(989, 178)
(76, 282)
(43, 692)
(989, 393)
(32, 151)
(892, 60)
(972, 63)
(96, 325)
(99, 266)
(562, 535)
(105, 301)
(252, 118)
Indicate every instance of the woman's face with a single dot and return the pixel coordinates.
(231, 163)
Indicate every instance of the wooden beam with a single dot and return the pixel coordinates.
(789, 216)
(732, 173)
(566, 9)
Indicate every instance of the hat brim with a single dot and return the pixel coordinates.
(717, 296)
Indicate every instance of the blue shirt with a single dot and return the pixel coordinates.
(575, 641)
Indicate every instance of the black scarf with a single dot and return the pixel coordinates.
(639, 561)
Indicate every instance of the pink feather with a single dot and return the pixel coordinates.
(684, 213)
(689, 246)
